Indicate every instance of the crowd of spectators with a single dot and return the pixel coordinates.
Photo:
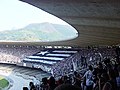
(104, 76)
(82, 59)
(89, 69)
(16, 53)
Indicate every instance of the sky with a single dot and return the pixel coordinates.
(15, 14)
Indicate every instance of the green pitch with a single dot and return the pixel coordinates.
(3, 82)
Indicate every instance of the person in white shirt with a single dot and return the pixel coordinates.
(89, 81)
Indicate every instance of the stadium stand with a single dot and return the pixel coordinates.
(67, 66)
(47, 58)
(100, 69)
(16, 53)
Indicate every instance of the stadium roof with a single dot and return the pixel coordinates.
(97, 21)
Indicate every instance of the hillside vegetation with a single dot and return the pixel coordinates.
(39, 32)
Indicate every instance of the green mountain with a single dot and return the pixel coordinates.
(39, 32)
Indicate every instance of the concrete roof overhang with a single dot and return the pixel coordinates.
(97, 21)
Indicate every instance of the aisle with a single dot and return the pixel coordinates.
(18, 82)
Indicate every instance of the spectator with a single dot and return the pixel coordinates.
(67, 87)
(118, 78)
(89, 78)
(103, 78)
(77, 79)
(31, 85)
(52, 84)
(66, 79)
(111, 83)
(25, 88)
(44, 85)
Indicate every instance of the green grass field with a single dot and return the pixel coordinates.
(3, 82)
